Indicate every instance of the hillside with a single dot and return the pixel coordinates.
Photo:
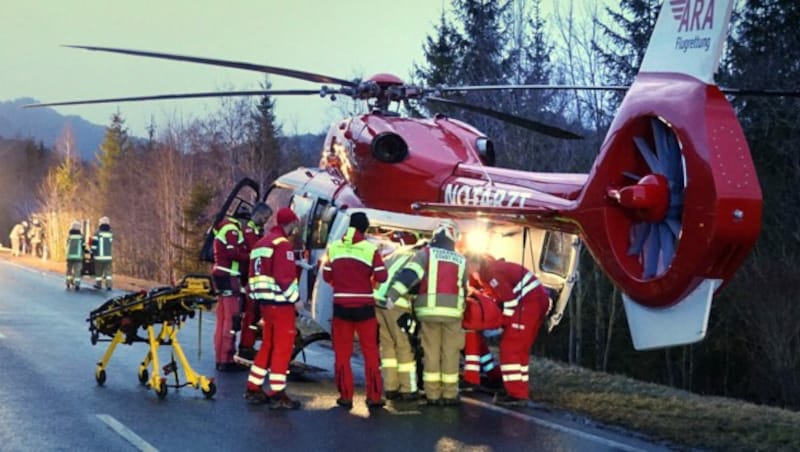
(45, 125)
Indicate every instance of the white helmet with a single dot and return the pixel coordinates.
(103, 220)
(75, 225)
(449, 228)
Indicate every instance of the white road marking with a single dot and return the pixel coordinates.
(552, 425)
(2, 336)
(126, 433)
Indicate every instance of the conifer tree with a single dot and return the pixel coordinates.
(265, 145)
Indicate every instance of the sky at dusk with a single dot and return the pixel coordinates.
(343, 38)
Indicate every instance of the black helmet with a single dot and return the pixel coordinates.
(261, 214)
(242, 212)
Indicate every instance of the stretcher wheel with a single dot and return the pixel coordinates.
(212, 389)
(161, 392)
(100, 377)
(143, 376)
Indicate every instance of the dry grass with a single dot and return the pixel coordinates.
(665, 413)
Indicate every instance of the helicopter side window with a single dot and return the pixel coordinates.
(320, 224)
(555, 255)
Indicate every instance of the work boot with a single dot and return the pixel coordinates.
(505, 399)
(380, 403)
(108, 288)
(491, 384)
(345, 403)
(77, 287)
(408, 396)
(97, 286)
(281, 401)
(446, 401)
(256, 397)
(392, 395)
(425, 401)
(248, 353)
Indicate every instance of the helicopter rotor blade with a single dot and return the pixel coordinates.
(276, 92)
(760, 92)
(302, 75)
(511, 119)
(455, 89)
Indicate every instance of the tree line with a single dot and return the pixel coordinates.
(160, 192)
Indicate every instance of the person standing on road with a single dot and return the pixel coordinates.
(440, 272)
(74, 252)
(229, 252)
(398, 362)
(101, 252)
(352, 266)
(36, 238)
(525, 304)
(253, 231)
(16, 242)
(273, 284)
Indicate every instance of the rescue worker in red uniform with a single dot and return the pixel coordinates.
(253, 231)
(229, 253)
(525, 304)
(352, 267)
(480, 368)
(273, 284)
(440, 272)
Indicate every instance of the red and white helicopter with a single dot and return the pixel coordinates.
(670, 209)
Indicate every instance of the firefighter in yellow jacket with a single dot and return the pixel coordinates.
(440, 274)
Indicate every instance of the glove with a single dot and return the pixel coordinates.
(553, 321)
(388, 304)
(407, 323)
(300, 306)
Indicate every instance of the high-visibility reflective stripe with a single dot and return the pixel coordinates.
(416, 268)
(279, 240)
(276, 385)
(512, 377)
(510, 304)
(469, 358)
(449, 378)
(255, 380)
(388, 362)
(223, 232)
(379, 268)
(276, 377)
(234, 271)
(410, 366)
(508, 312)
(488, 366)
(263, 251)
(362, 251)
(438, 311)
(436, 256)
(258, 371)
(522, 282)
(340, 295)
(473, 367)
(510, 367)
(431, 376)
(487, 358)
(517, 326)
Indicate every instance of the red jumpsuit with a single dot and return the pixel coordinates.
(525, 303)
(352, 266)
(248, 335)
(273, 283)
(229, 252)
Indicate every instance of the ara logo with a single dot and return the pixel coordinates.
(693, 15)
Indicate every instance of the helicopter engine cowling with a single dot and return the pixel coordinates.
(673, 199)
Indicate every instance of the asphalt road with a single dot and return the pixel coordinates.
(49, 399)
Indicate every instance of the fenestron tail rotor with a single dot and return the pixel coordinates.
(657, 199)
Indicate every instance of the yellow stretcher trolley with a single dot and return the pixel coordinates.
(121, 317)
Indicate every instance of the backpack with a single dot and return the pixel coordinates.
(481, 313)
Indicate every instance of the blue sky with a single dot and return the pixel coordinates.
(342, 38)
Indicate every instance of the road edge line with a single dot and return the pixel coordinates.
(120, 429)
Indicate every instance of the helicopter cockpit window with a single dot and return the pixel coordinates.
(556, 253)
(276, 198)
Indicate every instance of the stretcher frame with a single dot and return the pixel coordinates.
(121, 317)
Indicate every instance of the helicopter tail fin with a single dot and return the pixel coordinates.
(688, 38)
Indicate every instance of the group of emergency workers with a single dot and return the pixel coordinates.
(28, 238)
(99, 247)
(423, 288)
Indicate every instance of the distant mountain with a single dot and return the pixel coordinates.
(46, 125)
